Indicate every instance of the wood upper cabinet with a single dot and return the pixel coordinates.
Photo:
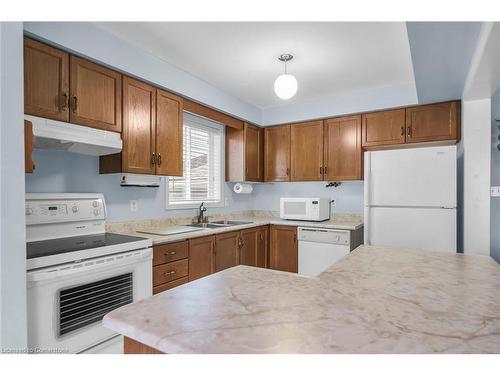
(283, 249)
(169, 134)
(226, 250)
(46, 81)
(383, 128)
(201, 257)
(254, 153)
(434, 122)
(245, 153)
(95, 95)
(306, 151)
(277, 153)
(29, 144)
(138, 153)
(343, 156)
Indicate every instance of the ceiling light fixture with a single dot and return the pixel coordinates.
(285, 85)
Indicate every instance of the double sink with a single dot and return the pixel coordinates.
(219, 224)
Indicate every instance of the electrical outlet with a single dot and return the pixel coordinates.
(495, 191)
(333, 203)
(134, 207)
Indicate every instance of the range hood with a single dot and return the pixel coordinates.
(58, 135)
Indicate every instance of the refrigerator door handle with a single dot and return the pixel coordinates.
(368, 180)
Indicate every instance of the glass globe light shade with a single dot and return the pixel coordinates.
(285, 86)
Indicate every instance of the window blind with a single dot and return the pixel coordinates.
(202, 154)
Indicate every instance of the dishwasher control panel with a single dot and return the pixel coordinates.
(324, 235)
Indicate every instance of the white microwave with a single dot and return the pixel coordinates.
(310, 209)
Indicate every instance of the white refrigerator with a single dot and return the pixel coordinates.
(411, 198)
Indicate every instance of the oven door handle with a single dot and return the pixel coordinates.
(89, 265)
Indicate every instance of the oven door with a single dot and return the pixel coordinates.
(66, 303)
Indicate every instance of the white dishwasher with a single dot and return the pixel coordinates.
(319, 248)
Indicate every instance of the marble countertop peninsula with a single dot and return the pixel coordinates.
(257, 218)
(375, 300)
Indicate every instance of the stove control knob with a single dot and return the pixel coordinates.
(97, 212)
(74, 209)
(95, 204)
(29, 210)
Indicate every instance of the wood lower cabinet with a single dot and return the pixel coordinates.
(277, 153)
(95, 95)
(343, 156)
(306, 151)
(384, 128)
(434, 122)
(253, 247)
(226, 250)
(245, 154)
(46, 81)
(29, 144)
(170, 265)
(201, 257)
(283, 248)
(169, 134)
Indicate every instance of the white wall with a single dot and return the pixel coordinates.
(476, 125)
(12, 228)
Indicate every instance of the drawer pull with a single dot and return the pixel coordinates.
(171, 253)
(169, 273)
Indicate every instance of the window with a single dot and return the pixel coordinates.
(203, 165)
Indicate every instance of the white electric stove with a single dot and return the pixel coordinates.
(77, 273)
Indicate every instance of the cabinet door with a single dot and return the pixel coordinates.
(277, 153)
(383, 128)
(254, 144)
(169, 134)
(201, 260)
(96, 95)
(435, 122)
(342, 145)
(46, 81)
(262, 247)
(29, 143)
(226, 250)
(307, 151)
(283, 250)
(138, 153)
(248, 247)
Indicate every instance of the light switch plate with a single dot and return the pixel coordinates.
(134, 207)
(333, 203)
(495, 191)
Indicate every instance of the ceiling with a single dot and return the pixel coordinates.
(241, 57)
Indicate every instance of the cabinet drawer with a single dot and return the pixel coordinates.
(172, 284)
(170, 252)
(170, 271)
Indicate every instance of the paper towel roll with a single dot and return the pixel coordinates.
(243, 188)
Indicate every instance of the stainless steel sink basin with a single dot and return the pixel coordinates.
(219, 224)
(230, 223)
(205, 225)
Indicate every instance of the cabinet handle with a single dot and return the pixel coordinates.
(320, 170)
(74, 104)
(324, 170)
(408, 131)
(171, 253)
(169, 273)
(153, 159)
(402, 131)
(64, 102)
(288, 171)
(159, 159)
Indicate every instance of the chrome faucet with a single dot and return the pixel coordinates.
(201, 212)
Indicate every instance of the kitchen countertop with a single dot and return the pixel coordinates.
(375, 300)
(342, 223)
